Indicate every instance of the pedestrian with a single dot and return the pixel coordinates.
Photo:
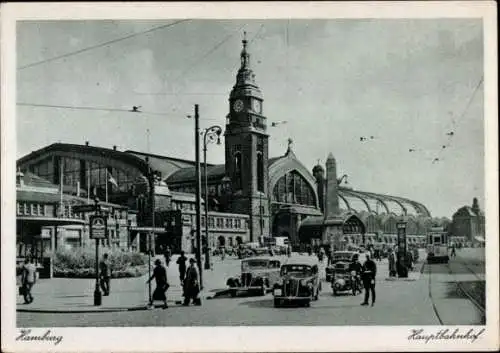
(453, 253)
(191, 285)
(168, 255)
(160, 274)
(392, 263)
(28, 280)
(222, 253)
(409, 259)
(105, 275)
(181, 262)
(368, 276)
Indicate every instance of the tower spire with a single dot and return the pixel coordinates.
(245, 56)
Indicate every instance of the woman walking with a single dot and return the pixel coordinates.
(160, 274)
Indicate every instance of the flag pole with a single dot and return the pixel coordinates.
(88, 183)
(106, 185)
(61, 182)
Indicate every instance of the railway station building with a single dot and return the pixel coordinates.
(252, 194)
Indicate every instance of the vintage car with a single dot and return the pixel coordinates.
(343, 256)
(299, 283)
(344, 280)
(258, 275)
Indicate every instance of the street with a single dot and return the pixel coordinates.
(399, 302)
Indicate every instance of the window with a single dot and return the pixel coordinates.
(220, 222)
(33, 210)
(211, 222)
(227, 223)
(238, 171)
(260, 164)
(19, 209)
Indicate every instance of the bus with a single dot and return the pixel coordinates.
(437, 246)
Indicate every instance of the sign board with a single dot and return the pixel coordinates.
(84, 208)
(98, 227)
(186, 220)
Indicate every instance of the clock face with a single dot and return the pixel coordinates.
(257, 106)
(238, 106)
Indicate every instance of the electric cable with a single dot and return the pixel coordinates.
(100, 45)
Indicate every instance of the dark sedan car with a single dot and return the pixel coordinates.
(299, 283)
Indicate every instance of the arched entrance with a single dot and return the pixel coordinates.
(282, 225)
(239, 240)
(222, 241)
(354, 230)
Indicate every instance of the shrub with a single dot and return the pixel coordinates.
(80, 263)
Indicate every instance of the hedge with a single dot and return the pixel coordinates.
(80, 263)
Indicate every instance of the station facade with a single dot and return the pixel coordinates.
(250, 195)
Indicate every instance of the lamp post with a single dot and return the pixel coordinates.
(97, 290)
(212, 134)
(198, 191)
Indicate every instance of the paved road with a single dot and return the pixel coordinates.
(398, 303)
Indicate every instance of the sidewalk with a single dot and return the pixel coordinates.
(69, 295)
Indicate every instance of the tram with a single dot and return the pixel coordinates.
(437, 246)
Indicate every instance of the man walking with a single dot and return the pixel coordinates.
(181, 262)
(105, 274)
(368, 277)
(28, 280)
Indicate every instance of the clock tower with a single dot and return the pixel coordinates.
(247, 150)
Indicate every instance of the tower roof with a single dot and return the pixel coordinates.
(245, 79)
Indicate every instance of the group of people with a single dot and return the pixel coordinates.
(188, 279)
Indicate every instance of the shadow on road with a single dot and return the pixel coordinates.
(269, 303)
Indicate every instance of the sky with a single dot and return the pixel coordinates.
(408, 83)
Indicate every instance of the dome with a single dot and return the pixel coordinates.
(318, 168)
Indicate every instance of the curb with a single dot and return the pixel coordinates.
(102, 310)
(108, 310)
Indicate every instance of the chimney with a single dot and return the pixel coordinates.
(332, 197)
(19, 178)
(86, 143)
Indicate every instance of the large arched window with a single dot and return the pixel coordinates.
(237, 170)
(293, 188)
(260, 164)
(260, 172)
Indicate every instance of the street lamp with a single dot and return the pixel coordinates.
(97, 291)
(212, 134)
(198, 191)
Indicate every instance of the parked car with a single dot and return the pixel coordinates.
(258, 275)
(343, 256)
(344, 280)
(299, 283)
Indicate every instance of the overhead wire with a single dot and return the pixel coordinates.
(101, 45)
(193, 65)
(451, 134)
(104, 109)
